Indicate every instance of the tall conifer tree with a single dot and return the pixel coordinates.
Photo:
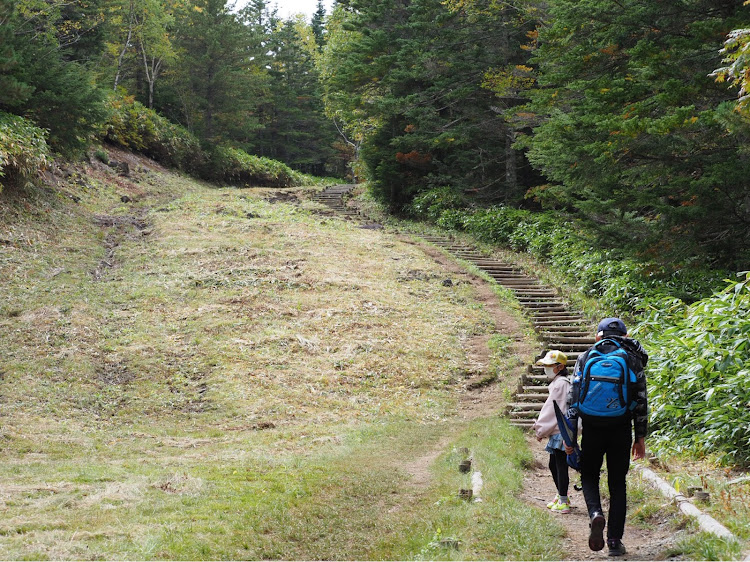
(318, 24)
(12, 91)
(637, 139)
(55, 66)
(295, 128)
(217, 80)
(414, 71)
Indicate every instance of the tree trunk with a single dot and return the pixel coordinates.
(511, 165)
(152, 73)
(125, 46)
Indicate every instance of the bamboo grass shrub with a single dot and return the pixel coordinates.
(699, 375)
(235, 166)
(621, 283)
(23, 148)
(133, 126)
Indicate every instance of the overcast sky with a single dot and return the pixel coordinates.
(288, 8)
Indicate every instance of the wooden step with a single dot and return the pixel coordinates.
(544, 332)
(523, 424)
(526, 406)
(531, 415)
(543, 388)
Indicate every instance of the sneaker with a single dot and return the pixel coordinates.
(554, 502)
(561, 507)
(616, 548)
(596, 536)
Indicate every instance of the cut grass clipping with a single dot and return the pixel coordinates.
(202, 373)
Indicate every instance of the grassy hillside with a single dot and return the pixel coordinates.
(200, 373)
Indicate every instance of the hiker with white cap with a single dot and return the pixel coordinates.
(555, 368)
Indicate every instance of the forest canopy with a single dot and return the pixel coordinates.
(608, 113)
(627, 119)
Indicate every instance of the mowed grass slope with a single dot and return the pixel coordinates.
(211, 373)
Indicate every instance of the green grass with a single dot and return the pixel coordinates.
(204, 374)
(705, 546)
(500, 526)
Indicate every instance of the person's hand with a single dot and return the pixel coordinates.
(639, 448)
(569, 450)
(538, 438)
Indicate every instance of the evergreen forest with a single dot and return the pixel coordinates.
(607, 138)
(629, 118)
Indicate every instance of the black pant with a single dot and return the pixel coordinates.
(615, 442)
(558, 466)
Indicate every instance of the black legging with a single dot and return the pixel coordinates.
(615, 442)
(558, 466)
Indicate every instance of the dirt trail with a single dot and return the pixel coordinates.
(538, 489)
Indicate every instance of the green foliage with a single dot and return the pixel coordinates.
(295, 128)
(135, 127)
(102, 156)
(236, 167)
(737, 72)
(705, 546)
(699, 374)
(12, 91)
(215, 86)
(619, 283)
(407, 81)
(65, 101)
(635, 135)
(140, 34)
(430, 205)
(23, 148)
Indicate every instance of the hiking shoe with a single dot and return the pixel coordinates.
(596, 536)
(560, 507)
(554, 502)
(616, 548)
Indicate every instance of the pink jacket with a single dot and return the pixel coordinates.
(546, 423)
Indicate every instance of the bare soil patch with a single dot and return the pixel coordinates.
(119, 227)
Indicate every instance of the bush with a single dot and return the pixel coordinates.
(621, 284)
(698, 375)
(23, 148)
(431, 204)
(235, 166)
(135, 127)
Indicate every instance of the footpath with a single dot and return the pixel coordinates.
(558, 326)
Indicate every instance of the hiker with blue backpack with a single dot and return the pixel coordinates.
(555, 368)
(608, 393)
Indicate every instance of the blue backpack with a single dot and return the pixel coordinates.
(602, 387)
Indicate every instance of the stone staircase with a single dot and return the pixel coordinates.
(333, 198)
